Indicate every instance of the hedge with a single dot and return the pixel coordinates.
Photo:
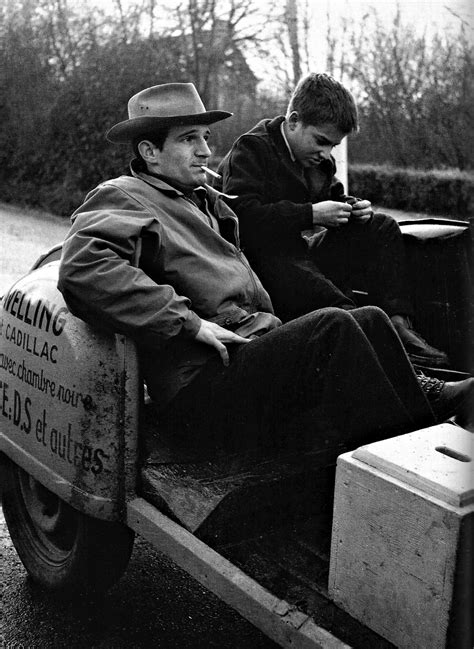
(444, 192)
(449, 193)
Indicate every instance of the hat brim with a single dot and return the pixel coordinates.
(132, 128)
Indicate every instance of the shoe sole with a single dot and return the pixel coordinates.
(422, 362)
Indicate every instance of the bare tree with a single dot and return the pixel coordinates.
(291, 16)
(213, 34)
(414, 94)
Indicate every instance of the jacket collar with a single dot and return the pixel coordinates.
(293, 166)
(136, 171)
(217, 199)
(285, 140)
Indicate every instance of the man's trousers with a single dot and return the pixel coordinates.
(329, 374)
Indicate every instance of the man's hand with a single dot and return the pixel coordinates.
(331, 214)
(214, 335)
(362, 211)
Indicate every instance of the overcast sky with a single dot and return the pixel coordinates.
(433, 15)
(422, 14)
(418, 11)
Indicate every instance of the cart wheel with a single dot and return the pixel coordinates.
(62, 549)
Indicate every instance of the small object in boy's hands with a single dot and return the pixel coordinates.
(358, 205)
(351, 200)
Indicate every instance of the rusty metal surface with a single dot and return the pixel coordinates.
(68, 398)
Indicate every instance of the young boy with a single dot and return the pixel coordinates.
(281, 176)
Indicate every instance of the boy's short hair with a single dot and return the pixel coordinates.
(320, 99)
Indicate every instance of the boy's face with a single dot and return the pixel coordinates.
(184, 151)
(311, 144)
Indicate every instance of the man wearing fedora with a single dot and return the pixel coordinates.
(156, 255)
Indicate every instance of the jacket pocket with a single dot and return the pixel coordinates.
(257, 324)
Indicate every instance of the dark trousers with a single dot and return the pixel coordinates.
(365, 256)
(331, 374)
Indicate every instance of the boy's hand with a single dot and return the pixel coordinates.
(214, 335)
(361, 211)
(331, 214)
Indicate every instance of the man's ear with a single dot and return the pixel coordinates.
(292, 120)
(148, 151)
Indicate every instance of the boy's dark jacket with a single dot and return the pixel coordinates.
(272, 196)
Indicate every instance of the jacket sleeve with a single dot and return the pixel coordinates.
(245, 175)
(100, 281)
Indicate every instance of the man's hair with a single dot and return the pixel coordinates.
(320, 99)
(157, 137)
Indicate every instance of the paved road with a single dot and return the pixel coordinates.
(155, 604)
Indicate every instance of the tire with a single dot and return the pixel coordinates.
(63, 550)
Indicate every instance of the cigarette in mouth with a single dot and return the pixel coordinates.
(210, 172)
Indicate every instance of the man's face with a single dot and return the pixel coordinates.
(184, 151)
(311, 144)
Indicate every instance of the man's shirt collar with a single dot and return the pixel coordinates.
(161, 182)
(285, 139)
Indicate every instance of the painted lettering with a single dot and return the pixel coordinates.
(69, 444)
(59, 320)
(41, 314)
(7, 364)
(62, 441)
(98, 465)
(31, 344)
(41, 426)
(37, 380)
(86, 457)
(21, 416)
(82, 456)
(69, 396)
(26, 425)
(4, 389)
(53, 440)
(16, 299)
(16, 408)
(77, 456)
(39, 429)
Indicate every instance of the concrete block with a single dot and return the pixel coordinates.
(402, 538)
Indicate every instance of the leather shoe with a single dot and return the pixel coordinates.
(418, 350)
(450, 399)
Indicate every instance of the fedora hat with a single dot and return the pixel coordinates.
(170, 104)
